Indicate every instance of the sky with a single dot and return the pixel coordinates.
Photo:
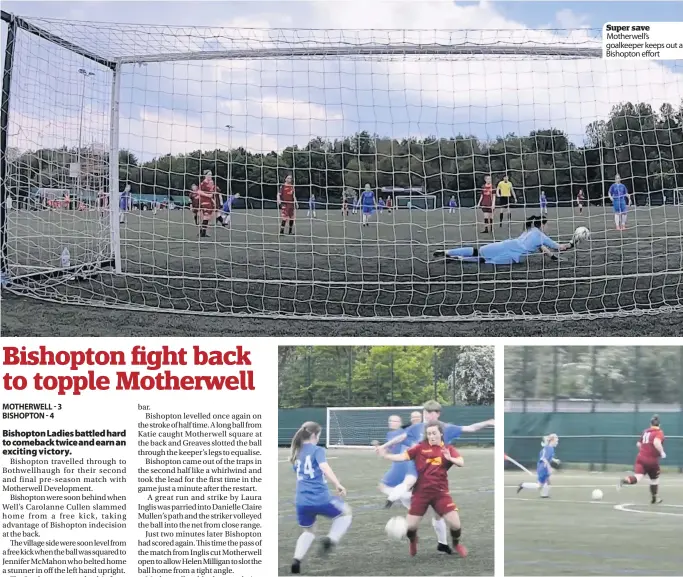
(272, 103)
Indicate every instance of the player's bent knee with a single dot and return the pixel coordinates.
(346, 510)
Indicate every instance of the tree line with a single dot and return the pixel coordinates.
(376, 376)
(609, 373)
(645, 146)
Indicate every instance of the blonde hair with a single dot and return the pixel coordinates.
(548, 438)
(437, 424)
(431, 406)
(305, 432)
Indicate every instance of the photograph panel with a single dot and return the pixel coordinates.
(593, 460)
(371, 439)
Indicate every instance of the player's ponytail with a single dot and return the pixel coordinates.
(305, 432)
(654, 421)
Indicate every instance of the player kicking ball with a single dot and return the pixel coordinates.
(544, 467)
(313, 497)
(650, 451)
(433, 458)
(621, 200)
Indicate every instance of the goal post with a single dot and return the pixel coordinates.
(357, 427)
(420, 202)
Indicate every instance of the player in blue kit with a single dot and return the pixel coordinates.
(368, 204)
(431, 411)
(311, 205)
(544, 466)
(312, 494)
(226, 210)
(125, 204)
(621, 200)
(544, 203)
(511, 251)
(452, 205)
(397, 472)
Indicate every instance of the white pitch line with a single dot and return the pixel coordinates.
(553, 500)
(623, 507)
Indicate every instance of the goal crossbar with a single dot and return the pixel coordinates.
(371, 50)
(331, 410)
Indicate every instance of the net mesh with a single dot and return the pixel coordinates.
(337, 110)
(355, 427)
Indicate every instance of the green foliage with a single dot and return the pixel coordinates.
(615, 373)
(644, 145)
(382, 375)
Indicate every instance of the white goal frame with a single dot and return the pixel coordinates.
(388, 409)
(410, 197)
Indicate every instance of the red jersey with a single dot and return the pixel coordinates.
(486, 195)
(432, 468)
(579, 196)
(287, 193)
(207, 186)
(648, 451)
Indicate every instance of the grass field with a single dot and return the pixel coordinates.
(569, 534)
(336, 268)
(366, 550)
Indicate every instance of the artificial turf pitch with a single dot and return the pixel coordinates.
(365, 549)
(334, 268)
(569, 534)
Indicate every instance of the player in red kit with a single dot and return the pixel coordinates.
(207, 193)
(286, 200)
(432, 459)
(580, 198)
(650, 450)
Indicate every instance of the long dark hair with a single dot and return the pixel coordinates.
(654, 421)
(537, 221)
(305, 432)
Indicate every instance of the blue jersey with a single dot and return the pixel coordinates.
(451, 203)
(227, 205)
(546, 453)
(311, 202)
(618, 191)
(124, 200)
(368, 198)
(544, 200)
(311, 485)
(416, 433)
(398, 448)
(515, 249)
(381, 202)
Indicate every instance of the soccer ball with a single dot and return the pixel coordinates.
(597, 495)
(581, 233)
(396, 528)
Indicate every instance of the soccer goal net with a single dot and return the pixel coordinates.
(422, 202)
(108, 129)
(358, 427)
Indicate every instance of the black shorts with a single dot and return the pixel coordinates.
(486, 209)
(503, 201)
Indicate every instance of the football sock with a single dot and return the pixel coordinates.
(617, 219)
(441, 530)
(282, 227)
(455, 535)
(545, 490)
(623, 219)
(501, 218)
(411, 534)
(530, 485)
(653, 490)
(339, 526)
(303, 544)
(291, 226)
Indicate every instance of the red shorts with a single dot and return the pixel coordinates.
(649, 468)
(442, 503)
(287, 210)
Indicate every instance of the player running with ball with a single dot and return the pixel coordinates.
(621, 200)
(432, 458)
(543, 467)
(650, 451)
(312, 495)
